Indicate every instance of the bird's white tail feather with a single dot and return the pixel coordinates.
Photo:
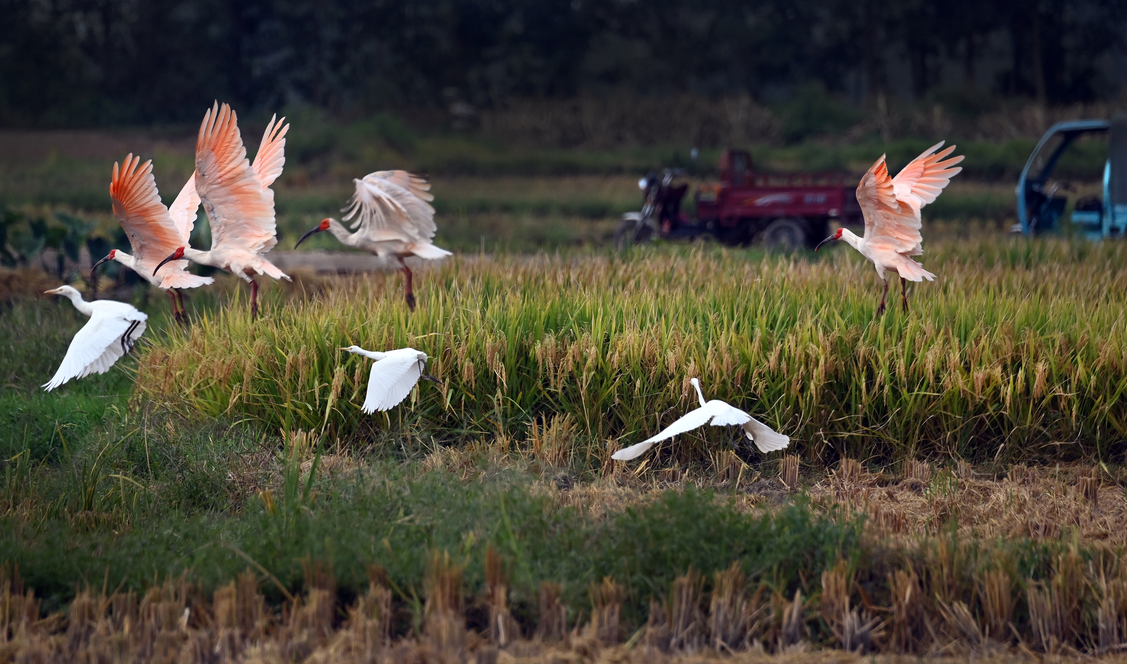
(764, 437)
(913, 271)
(185, 280)
(632, 452)
(266, 267)
(429, 251)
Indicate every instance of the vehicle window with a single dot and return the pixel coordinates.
(1041, 159)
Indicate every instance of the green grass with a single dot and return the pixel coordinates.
(96, 484)
(108, 487)
(1016, 349)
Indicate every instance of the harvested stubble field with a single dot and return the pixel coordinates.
(954, 487)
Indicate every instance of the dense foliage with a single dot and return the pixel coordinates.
(80, 62)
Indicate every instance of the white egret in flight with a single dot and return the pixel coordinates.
(393, 375)
(112, 330)
(718, 413)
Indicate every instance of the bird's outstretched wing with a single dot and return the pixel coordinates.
(888, 225)
(413, 182)
(764, 437)
(921, 181)
(694, 419)
(271, 155)
(240, 209)
(391, 381)
(152, 231)
(100, 343)
(891, 206)
(183, 210)
(382, 208)
(725, 414)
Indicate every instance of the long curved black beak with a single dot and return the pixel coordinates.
(170, 258)
(832, 237)
(316, 229)
(430, 378)
(95, 266)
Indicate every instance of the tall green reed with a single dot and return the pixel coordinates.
(1017, 351)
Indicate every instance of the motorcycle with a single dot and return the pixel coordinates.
(660, 215)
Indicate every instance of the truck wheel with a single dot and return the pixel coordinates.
(631, 232)
(783, 235)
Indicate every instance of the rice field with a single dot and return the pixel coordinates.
(1015, 355)
(954, 486)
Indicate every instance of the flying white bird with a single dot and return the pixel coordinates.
(720, 414)
(237, 198)
(393, 375)
(153, 229)
(891, 207)
(112, 330)
(392, 217)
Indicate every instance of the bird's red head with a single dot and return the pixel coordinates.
(835, 236)
(323, 226)
(176, 255)
(109, 257)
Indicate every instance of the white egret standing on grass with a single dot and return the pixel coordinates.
(393, 217)
(237, 198)
(112, 330)
(720, 414)
(891, 207)
(153, 229)
(393, 375)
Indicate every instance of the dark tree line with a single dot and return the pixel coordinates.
(91, 62)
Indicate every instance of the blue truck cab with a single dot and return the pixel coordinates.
(1096, 217)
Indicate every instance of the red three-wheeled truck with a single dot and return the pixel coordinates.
(778, 210)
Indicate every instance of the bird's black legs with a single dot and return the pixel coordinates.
(126, 342)
(183, 311)
(179, 313)
(175, 309)
(904, 293)
(880, 309)
(253, 299)
(410, 293)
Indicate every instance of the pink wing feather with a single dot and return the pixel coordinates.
(183, 210)
(888, 225)
(151, 230)
(271, 156)
(921, 181)
(240, 209)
